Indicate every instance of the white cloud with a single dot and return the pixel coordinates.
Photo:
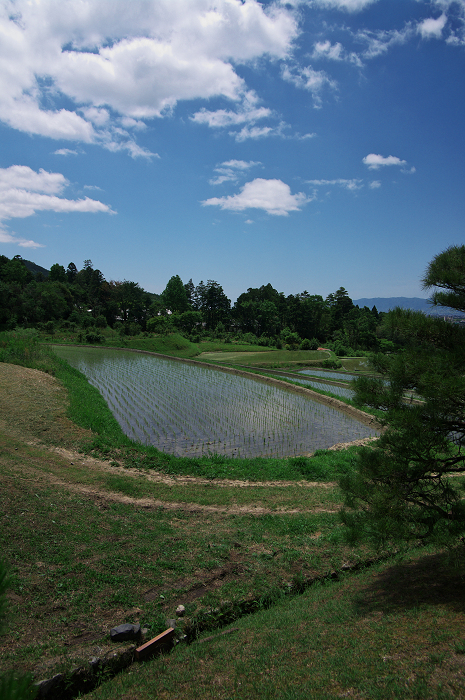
(134, 150)
(353, 184)
(6, 237)
(375, 161)
(309, 79)
(247, 112)
(230, 170)
(379, 42)
(240, 164)
(21, 177)
(334, 52)
(374, 185)
(65, 152)
(131, 123)
(348, 5)
(255, 132)
(432, 28)
(135, 62)
(23, 192)
(456, 10)
(16, 203)
(328, 50)
(273, 196)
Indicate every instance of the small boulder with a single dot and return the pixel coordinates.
(124, 632)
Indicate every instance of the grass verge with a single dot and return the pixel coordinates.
(394, 632)
(90, 548)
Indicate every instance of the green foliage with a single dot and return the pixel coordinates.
(159, 324)
(21, 347)
(185, 322)
(85, 298)
(93, 336)
(331, 364)
(408, 485)
(447, 271)
(174, 296)
(307, 344)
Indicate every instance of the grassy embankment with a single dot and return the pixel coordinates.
(91, 546)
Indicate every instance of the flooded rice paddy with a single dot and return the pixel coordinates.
(341, 391)
(190, 410)
(328, 374)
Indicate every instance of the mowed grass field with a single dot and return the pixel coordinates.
(93, 543)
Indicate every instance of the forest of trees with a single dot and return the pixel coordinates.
(73, 298)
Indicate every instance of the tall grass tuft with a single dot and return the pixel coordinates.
(22, 347)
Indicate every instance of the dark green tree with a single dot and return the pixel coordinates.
(190, 291)
(187, 321)
(216, 306)
(174, 297)
(57, 273)
(407, 486)
(71, 272)
(447, 271)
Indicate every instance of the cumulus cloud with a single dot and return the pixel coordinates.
(328, 50)
(375, 161)
(23, 192)
(248, 111)
(432, 28)
(21, 177)
(6, 237)
(273, 196)
(374, 184)
(132, 64)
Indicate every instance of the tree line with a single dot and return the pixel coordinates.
(85, 299)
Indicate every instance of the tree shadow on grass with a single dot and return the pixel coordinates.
(435, 579)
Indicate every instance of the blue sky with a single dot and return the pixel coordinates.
(307, 144)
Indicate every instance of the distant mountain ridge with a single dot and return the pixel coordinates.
(35, 269)
(413, 303)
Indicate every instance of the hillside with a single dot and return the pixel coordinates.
(35, 269)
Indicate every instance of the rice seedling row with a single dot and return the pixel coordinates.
(190, 410)
(332, 388)
(328, 375)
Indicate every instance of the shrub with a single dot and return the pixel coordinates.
(101, 322)
(93, 336)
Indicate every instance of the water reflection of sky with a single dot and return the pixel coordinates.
(322, 386)
(328, 374)
(188, 410)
